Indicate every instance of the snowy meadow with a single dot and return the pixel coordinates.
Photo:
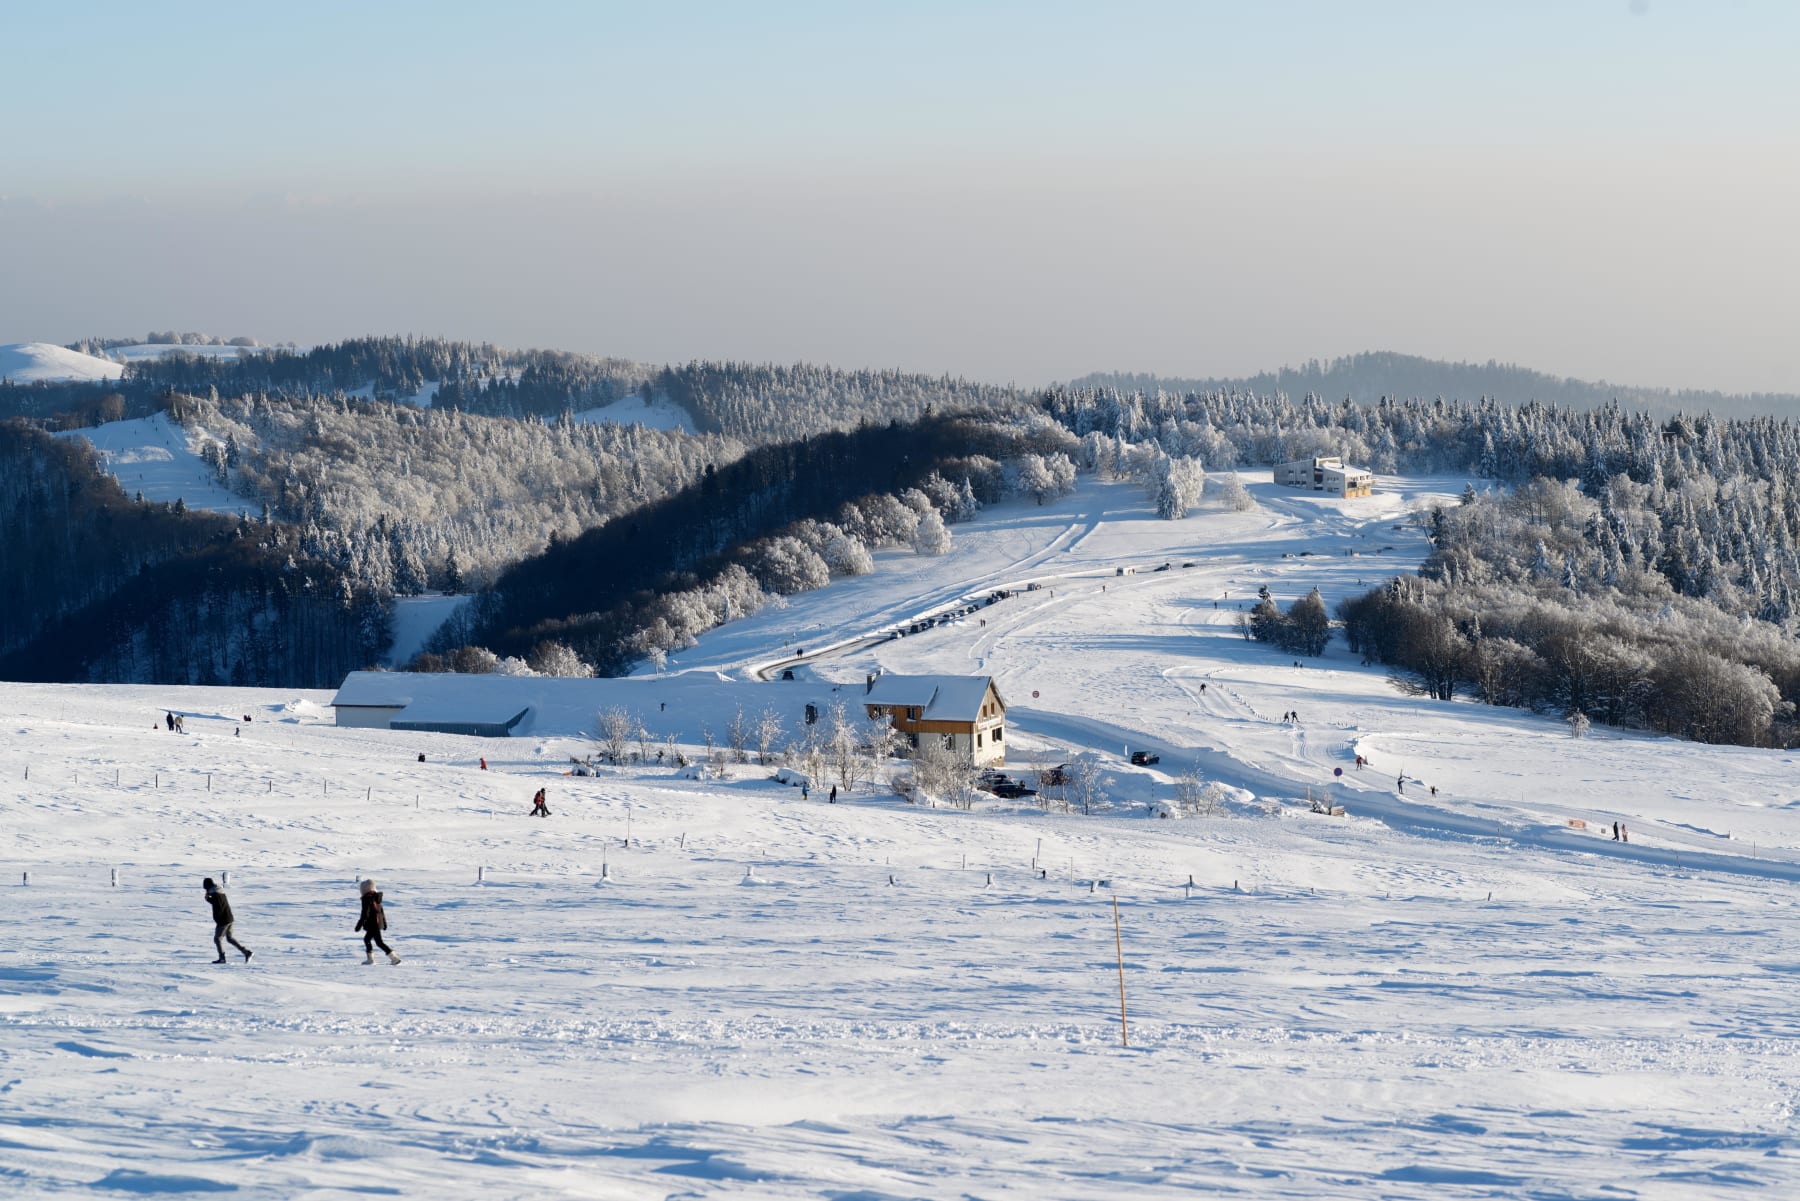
(692, 985)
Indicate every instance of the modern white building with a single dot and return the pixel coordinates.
(1327, 474)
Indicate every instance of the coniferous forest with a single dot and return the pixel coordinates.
(1638, 570)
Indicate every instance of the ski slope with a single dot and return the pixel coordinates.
(160, 459)
(764, 996)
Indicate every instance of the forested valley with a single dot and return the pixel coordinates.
(1636, 570)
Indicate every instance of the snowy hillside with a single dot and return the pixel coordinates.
(635, 410)
(767, 996)
(161, 459)
(33, 362)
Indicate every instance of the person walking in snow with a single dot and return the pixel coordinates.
(1615, 831)
(805, 791)
(222, 921)
(169, 720)
(834, 794)
(372, 922)
(540, 805)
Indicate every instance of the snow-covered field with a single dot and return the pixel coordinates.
(161, 459)
(764, 996)
(32, 362)
(635, 410)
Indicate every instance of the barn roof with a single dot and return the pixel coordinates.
(940, 698)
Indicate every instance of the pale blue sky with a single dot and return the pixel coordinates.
(1013, 191)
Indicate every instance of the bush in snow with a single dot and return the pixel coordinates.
(932, 536)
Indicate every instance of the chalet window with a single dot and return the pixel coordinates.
(997, 733)
(978, 738)
(913, 713)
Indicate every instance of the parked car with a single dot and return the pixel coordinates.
(1145, 758)
(1011, 790)
(1165, 567)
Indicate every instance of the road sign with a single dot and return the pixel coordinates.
(1337, 771)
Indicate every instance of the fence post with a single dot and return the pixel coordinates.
(1119, 946)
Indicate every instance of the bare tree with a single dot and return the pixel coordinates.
(1190, 792)
(616, 727)
(737, 735)
(1085, 783)
(769, 729)
(944, 774)
(844, 746)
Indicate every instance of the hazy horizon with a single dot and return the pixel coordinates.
(1006, 192)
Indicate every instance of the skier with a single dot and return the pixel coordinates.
(222, 921)
(372, 922)
(1401, 785)
(540, 805)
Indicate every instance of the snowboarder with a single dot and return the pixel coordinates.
(834, 794)
(540, 805)
(180, 726)
(372, 922)
(222, 921)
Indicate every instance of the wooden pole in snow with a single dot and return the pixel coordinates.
(1119, 946)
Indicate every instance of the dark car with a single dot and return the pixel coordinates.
(1144, 758)
(1012, 789)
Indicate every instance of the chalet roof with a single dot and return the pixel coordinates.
(940, 698)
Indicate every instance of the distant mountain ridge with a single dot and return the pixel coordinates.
(1370, 376)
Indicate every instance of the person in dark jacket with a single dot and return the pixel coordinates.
(372, 922)
(222, 921)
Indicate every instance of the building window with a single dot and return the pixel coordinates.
(978, 738)
(912, 714)
(996, 733)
